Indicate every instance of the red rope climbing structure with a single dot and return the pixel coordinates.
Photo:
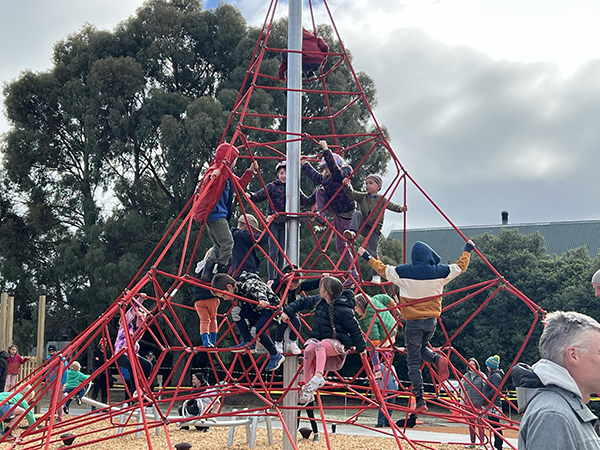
(261, 136)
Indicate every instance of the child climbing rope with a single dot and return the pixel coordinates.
(249, 286)
(423, 278)
(295, 287)
(378, 325)
(369, 218)
(335, 331)
(340, 207)
(275, 192)
(215, 205)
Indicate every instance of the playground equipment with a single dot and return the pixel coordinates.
(158, 289)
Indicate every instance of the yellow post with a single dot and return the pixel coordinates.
(3, 319)
(41, 328)
(10, 317)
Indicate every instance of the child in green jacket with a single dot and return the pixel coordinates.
(378, 325)
(6, 406)
(74, 379)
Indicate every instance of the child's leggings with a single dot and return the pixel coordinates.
(207, 311)
(315, 356)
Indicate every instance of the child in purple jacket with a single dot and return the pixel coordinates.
(341, 207)
(275, 193)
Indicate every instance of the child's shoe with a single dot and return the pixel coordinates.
(349, 283)
(316, 437)
(376, 279)
(242, 347)
(349, 235)
(421, 406)
(78, 400)
(212, 337)
(279, 347)
(206, 340)
(442, 366)
(65, 409)
(274, 362)
(293, 348)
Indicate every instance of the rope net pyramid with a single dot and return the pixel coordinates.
(160, 291)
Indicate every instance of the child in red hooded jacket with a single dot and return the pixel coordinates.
(214, 206)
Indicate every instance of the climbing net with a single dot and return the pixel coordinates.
(166, 280)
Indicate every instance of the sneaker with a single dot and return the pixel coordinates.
(274, 362)
(78, 400)
(242, 347)
(349, 235)
(421, 405)
(279, 347)
(65, 410)
(305, 398)
(316, 437)
(376, 279)
(319, 228)
(348, 284)
(293, 348)
(442, 366)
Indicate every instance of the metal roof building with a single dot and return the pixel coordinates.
(560, 237)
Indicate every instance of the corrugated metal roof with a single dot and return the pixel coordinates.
(560, 236)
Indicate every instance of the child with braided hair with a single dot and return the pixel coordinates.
(334, 332)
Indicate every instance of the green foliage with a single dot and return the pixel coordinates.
(552, 282)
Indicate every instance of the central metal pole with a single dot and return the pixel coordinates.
(292, 244)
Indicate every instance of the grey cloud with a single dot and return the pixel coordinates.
(489, 134)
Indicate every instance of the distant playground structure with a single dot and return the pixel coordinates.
(157, 292)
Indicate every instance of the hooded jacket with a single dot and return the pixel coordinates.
(3, 365)
(341, 204)
(555, 415)
(317, 47)
(423, 278)
(211, 190)
(384, 323)
(346, 326)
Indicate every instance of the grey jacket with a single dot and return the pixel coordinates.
(473, 386)
(555, 415)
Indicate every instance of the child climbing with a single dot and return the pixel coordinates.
(424, 278)
(368, 219)
(377, 324)
(243, 257)
(335, 331)
(295, 287)
(206, 305)
(275, 193)
(314, 55)
(74, 379)
(215, 205)
(249, 286)
(340, 206)
(134, 319)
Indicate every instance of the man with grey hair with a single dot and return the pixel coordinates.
(596, 283)
(555, 391)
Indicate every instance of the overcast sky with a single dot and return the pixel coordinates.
(491, 105)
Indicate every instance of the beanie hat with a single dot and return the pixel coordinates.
(376, 178)
(596, 277)
(337, 158)
(75, 366)
(51, 348)
(493, 362)
(249, 219)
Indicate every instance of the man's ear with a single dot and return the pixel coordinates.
(572, 355)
